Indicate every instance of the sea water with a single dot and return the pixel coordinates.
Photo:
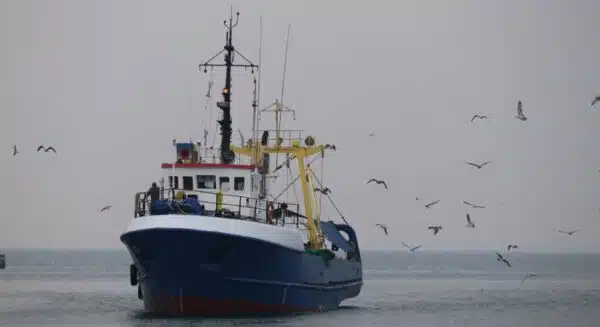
(91, 288)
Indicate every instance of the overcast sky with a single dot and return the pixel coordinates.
(111, 83)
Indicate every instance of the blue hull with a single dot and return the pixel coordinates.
(187, 272)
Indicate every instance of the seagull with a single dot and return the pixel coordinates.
(412, 249)
(469, 222)
(329, 146)
(383, 227)
(528, 276)
(41, 147)
(480, 117)
(105, 208)
(570, 233)
(512, 246)
(15, 150)
(378, 181)
(324, 191)
(501, 258)
(473, 205)
(429, 205)
(435, 229)
(596, 99)
(476, 165)
(210, 84)
(520, 114)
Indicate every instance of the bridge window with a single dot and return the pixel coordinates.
(174, 182)
(238, 183)
(223, 180)
(188, 182)
(206, 181)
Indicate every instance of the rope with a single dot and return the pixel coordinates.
(330, 199)
(321, 196)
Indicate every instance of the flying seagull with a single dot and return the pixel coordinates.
(324, 191)
(528, 276)
(596, 99)
(41, 147)
(15, 150)
(512, 246)
(429, 205)
(501, 258)
(435, 229)
(520, 114)
(378, 182)
(383, 227)
(476, 165)
(412, 249)
(473, 205)
(469, 222)
(105, 208)
(478, 116)
(570, 232)
(210, 84)
(330, 146)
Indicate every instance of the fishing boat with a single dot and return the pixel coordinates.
(217, 241)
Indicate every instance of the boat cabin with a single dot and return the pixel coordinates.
(228, 190)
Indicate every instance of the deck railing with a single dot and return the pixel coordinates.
(231, 206)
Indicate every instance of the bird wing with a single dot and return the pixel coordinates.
(405, 245)
(41, 147)
(472, 164)
(371, 180)
(507, 263)
(384, 184)
(469, 219)
(499, 256)
(50, 149)
(596, 99)
(432, 203)
(562, 231)
(473, 118)
(519, 108)
(468, 203)
(416, 247)
(483, 164)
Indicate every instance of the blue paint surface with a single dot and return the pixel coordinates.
(186, 263)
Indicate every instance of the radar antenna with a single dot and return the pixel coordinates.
(227, 156)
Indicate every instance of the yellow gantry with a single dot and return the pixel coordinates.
(300, 153)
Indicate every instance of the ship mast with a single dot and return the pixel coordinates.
(227, 155)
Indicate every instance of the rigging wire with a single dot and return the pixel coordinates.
(330, 199)
(292, 182)
(278, 117)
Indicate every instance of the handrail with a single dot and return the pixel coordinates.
(228, 208)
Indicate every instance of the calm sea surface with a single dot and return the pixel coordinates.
(91, 288)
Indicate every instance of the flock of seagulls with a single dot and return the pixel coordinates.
(51, 149)
(41, 147)
(470, 224)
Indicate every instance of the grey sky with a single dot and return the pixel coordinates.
(110, 83)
